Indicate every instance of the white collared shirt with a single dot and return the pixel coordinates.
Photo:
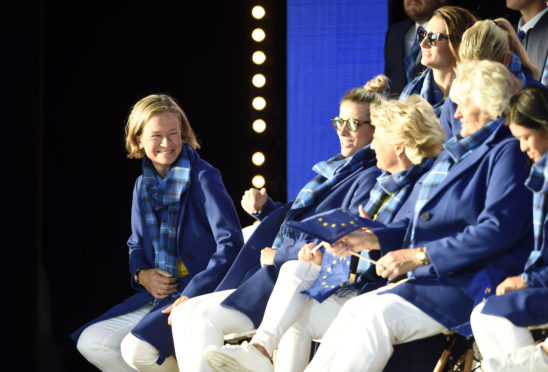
(532, 22)
(411, 35)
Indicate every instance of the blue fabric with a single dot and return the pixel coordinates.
(467, 225)
(335, 271)
(544, 78)
(409, 61)
(329, 173)
(521, 36)
(426, 87)
(208, 240)
(161, 201)
(252, 295)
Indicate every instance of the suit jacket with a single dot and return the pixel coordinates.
(209, 237)
(535, 42)
(477, 219)
(394, 52)
(252, 294)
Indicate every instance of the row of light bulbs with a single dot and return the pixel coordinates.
(258, 103)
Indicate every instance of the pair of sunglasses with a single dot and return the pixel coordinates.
(351, 124)
(432, 38)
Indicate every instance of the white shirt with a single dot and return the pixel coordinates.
(411, 36)
(532, 22)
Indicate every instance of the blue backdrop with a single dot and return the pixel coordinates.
(332, 46)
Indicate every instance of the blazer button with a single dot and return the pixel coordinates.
(188, 256)
(425, 216)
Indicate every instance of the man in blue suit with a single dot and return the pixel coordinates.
(401, 40)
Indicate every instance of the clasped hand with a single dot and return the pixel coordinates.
(253, 200)
(159, 283)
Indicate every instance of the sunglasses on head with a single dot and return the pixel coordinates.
(351, 124)
(432, 38)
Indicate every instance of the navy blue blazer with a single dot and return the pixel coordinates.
(209, 238)
(252, 294)
(394, 52)
(478, 218)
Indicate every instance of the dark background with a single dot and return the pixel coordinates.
(69, 75)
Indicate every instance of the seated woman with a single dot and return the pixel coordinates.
(463, 222)
(494, 41)
(500, 323)
(343, 181)
(439, 45)
(407, 138)
(185, 236)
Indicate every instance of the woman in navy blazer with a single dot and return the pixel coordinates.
(239, 303)
(500, 323)
(470, 225)
(185, 236)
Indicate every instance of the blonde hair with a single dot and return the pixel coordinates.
(457, 20)
(487, 83)
(140, 114)
(493, 40)
(371, 92)
(411, 123)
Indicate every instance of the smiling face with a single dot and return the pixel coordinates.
(533, 142)
(439, 56)
(354, 141)
(161, 140)
(471, 117)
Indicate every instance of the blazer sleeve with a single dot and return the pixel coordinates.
(137, 254)
(505, 217)
(267, 209)
(226, 230)
(537, 277)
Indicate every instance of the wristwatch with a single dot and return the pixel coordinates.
(422, 256)
(136, 276)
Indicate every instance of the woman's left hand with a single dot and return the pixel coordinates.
(511, 284)
(170, 308)
(397, 263)
(267, 256)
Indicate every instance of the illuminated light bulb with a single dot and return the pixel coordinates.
(258, 35)
(258, 181)
(259, 125)
(259, 103)
(258, 57)
(258, 158)
(258, 12)
(259, 80)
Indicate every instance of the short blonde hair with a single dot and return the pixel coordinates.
(488, 84)
(411, 123)
(143, 110)
(493, 40)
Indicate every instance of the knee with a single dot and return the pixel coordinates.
(87, 344)
(477, 318)
(297, 269)
(138, 353)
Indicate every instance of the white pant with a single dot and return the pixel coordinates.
(362, 336)
(292, 320)
(103, 344)
(505, 346)
(200, 322)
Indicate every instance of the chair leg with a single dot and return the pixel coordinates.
(442, 361)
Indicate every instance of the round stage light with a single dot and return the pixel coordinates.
(259, 103)
(259, 125)
(258, 57)
(259, 80)
(258, 12)
(258, 35)
(258, 158)
(258, 181)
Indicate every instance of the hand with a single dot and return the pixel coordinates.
(511, 284)
(267, 256)
(170, 308)
(397, 263)
(158, 282)
(362, 213)
(254, 200)
(306, 254)
(356, 241)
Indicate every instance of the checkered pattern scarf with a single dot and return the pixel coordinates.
(516, 69)
(456, 149)
(161, 199)
(426, 87)
(335, 271)
(538, 184)
(330, 172)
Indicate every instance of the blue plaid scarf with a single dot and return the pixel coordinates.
(334, 271)
(426, 87)
(538, 184)
(161, 201)
(516, 69)
(330, 172)
(456, 149)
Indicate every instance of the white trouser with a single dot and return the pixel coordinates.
(362, 336)
(200, 322)
(100, 342)
(505, 346)
(143, 356)
(292, 319)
